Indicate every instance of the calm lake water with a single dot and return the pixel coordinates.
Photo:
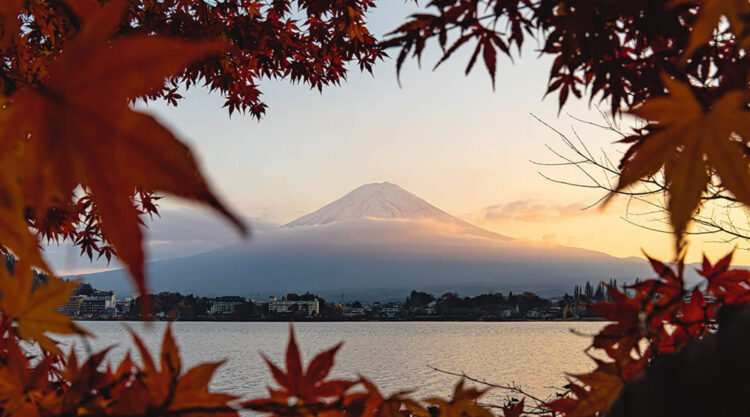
(396, 355)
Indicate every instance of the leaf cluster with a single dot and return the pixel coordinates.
(662, 317)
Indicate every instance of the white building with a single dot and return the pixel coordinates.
(123, 307)
(110, 301)
(73, 306)
(390, 312)
(533, 314)
(225, 305)
(354, 312)
(285, 306)
(98, 303)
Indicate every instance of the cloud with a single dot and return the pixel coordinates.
(178, 232)
(561, 239)
(184, 225)
(532, 212)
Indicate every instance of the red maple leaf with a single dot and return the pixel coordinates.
(303, 391)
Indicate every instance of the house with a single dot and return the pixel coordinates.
(311, 307)
(72, 307)
(390, 312)
(352, 312)
(225, 305)
(98, 303)
(551, 313)
(511, 313)
(123, 307)
(110, 301)
(91, 307)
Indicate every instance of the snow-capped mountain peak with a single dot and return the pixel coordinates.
(378, 200)
(384, 201)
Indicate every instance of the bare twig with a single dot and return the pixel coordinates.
(719, 215)
(539, 406)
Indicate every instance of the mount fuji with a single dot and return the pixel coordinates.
(386, 201)
(379, 241)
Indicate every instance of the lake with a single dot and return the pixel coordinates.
(395, 355)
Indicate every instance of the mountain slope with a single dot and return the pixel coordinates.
(368, 259)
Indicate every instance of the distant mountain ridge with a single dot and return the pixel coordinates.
(378, 242)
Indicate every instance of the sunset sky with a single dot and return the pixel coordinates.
(443, 136)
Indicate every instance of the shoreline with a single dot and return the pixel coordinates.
(440, 320)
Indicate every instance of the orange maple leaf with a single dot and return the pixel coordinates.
(22, 387)
(463, 403)
(691, 142)
(371, 403)
(35, 310)
(77, 129)
(709, 16)
(14, 230)
(82, 380)
(303, 391)
(604, 386)
(600, 387)
(166, 389)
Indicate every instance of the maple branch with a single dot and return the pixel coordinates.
(463, 24)
(539, 408)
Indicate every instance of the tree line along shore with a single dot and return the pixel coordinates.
(88, 303)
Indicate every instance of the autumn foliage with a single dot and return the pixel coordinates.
(79, 163)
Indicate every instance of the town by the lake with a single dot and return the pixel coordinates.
(88, 303)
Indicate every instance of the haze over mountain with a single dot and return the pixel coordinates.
(378, 241)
